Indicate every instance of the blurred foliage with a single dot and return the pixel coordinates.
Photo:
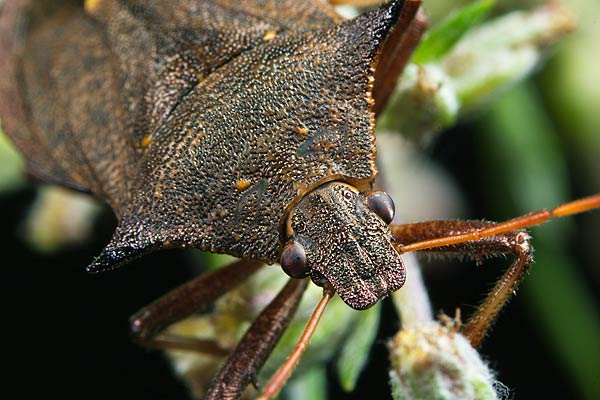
(538, 146)
(438, 40)
(459, 67)
(526, 180)
(355, 351)
(11, 165)
(558, 116)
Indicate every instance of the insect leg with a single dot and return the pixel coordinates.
(258, 342)
(197, 294)
(479, 239)
(513, 242)
(277, 381)
(531, 219)
(397, 51)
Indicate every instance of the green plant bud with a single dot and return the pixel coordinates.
(431, 361)
(487, 59)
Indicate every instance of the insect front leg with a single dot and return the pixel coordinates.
(514, 243)
(242, 366)
(246, 360)
(397, 50)
(196, 295)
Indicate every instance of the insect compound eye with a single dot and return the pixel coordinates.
(381, 204)
(347, 194)
(293, 260)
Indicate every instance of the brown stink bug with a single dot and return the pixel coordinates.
(243, 128)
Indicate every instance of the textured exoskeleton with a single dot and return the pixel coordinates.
(206, 123)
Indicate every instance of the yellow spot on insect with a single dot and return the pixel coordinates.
(242, 184)
(301, 130)
(146, 141)
(269, 35)
(91, 6)
(370, 101)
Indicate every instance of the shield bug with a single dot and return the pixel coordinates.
(243, 128)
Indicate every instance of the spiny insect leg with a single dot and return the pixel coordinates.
(397, 50)
(479, 239)
(513, 242)
(195, 295)
(242, 366)
(531, 219)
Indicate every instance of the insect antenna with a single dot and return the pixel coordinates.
(285, 370)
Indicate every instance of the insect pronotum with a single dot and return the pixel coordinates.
(234, 127)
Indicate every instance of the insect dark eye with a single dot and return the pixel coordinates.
(293, 260)
(381, 204)
(347, 194)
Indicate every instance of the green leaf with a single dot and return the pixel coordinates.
(356, 349)
(310, 385)
(562, 305)
(441, 38)
(12, 165)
